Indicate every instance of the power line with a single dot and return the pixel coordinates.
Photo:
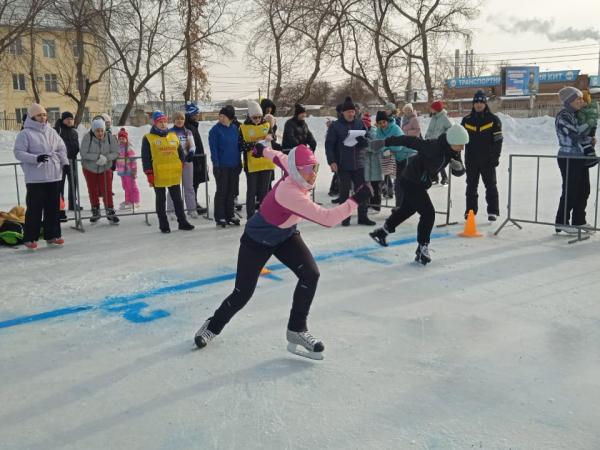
(540, 50)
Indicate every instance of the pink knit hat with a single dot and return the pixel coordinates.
(304, 156)
(35, 109)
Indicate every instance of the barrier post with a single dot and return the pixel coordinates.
(509, 206)
(75, 188)
(448, 202)
(17, 185)
(207, 216)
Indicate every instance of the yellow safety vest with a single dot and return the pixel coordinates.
(255, 133)
(165, 159)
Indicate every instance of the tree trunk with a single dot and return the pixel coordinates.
(32, 75)
(277, 89)
(425, 60)
(188, 53)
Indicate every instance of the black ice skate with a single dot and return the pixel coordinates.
(380, 236)
(204, 335)
(111, 215)
(233, 221)
(95, 215)
(302, 343)
(422, 254)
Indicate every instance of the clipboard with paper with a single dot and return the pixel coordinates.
(350, 140)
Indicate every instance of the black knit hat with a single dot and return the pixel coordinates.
(298, 109)
(228, 111)
(348, 104)
(479, 97)
(381, 115)
(66, 115)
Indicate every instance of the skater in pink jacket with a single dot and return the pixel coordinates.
(272, 231)
(126, 166)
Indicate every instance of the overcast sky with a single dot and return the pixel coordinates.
(499, 28)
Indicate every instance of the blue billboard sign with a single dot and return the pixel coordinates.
(473, 82)
(559, 76)
(522, 81)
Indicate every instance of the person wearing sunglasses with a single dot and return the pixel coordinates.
(272, 231)
(258, 171)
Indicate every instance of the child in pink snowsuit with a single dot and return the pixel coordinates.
(127, 170)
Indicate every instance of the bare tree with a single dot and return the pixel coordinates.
(319, 22)
(147, 37)
(278, 17)
(80, 25)
(432, 20)
(370, 49)
(17, 17)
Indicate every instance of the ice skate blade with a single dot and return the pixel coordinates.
(301, 351)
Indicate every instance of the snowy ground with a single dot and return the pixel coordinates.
(492, 346)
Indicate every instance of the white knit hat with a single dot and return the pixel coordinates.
(98, 123)
(568, 94)
(254, 109)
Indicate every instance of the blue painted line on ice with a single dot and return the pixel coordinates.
(373, 259)
(132, 309)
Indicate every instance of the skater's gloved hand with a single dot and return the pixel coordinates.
(150, 176)
(495, 162)
(42, 158)
(457, 168)
(189, 157)
(101, 160)
(363, 193)
(258, 150)
(66, 168)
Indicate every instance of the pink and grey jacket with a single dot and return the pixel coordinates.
(126, 164)
(288, 203)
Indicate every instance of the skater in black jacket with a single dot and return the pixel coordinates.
(432, 156)
(482, 155)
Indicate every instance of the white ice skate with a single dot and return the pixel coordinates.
(304, 344)
(204, 335)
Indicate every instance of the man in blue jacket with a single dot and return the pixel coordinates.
(223, 139)
(347, 162)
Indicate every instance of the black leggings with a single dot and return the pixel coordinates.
(252, 257)
(414, 199)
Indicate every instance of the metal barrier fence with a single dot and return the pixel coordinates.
(582, 235)
(79, 218)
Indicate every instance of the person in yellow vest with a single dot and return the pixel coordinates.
(258, 170)
(162, 159)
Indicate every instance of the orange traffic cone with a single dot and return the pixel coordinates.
(470, 226)
(265, 271)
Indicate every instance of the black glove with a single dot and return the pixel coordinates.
(189, 157)
(258, 150)
(495, 162)
(361, 142)
(42, 158)
(457, 168)
(66, 168)
(362, 194)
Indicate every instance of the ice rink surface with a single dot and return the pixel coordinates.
(494, 345)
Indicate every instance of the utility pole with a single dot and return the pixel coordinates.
(472, 62)
(598, 73)
(259, 97)
(457, 63)
(352, 76)
(408, 94)
(269, 79)
(466, 63)
(163, 94)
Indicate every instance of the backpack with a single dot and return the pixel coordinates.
(11, 233)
